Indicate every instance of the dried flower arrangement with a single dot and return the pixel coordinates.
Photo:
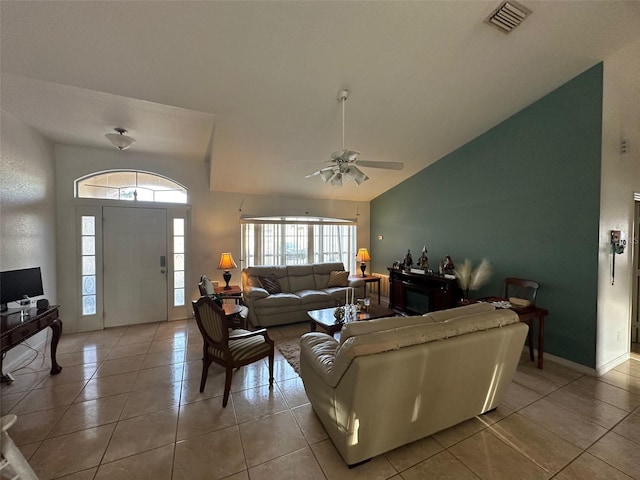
(470, 279)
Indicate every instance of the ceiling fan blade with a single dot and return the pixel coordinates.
(317, 172)
(387, 165)
(325, 173)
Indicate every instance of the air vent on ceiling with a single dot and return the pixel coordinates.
(508, 16)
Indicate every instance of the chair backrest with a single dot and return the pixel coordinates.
(205, 286)
(211, 320)
(521, 288)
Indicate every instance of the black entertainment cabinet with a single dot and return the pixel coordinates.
(418, 293)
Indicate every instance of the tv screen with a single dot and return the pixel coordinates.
(15, 284)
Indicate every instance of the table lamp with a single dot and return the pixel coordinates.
(363, 256)
(226, 264)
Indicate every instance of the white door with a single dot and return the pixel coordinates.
(135, 278)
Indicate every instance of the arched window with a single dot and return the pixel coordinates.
(131, 185)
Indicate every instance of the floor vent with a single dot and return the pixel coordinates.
(508, 16)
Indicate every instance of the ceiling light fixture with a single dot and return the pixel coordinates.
(120, 140)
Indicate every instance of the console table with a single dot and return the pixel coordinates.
(16, 328)
(416, 293)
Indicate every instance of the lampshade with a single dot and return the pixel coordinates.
(326, 175)
(353, 173)
(120, 140)
(226, 262)
(363, 255)
(336, 181)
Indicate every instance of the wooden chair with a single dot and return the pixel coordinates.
(238, 320)
(229, 348)
(525, 290)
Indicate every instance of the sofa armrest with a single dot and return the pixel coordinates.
(356, 283)
(255, 292)
(319, 350)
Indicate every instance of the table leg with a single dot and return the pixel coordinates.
(540, 340)
(56, 327)
(378, 291)
(312, 326)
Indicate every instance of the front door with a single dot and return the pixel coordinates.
(135, 279)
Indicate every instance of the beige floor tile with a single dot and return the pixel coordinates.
(141, 337)
(191, 390)
(335, 468)
(106, 386)
(203, 417)
(35, 426)
(532, 380)
(46, 398)
(71, 453)
(459, 432)
(167, 357)
(258, 402)
(83, 475)
(10, 400)
(309, 423)
(563, 422)
(490, 458)
(151, 400)
(142, 433)
(442, 466)
(131, 350)
(120, 365)
(552, 371)
(249, 376)
(155, 464)
(99, 342)
(413, 453)
(293, 391)
(211, 456)
(617, 397)
(539, 445)
(72, 374)
(283, 371)
(629, 428)
(630, 367)
(90, 355)
(163, 375)
(169, 344)
(194, 352)
(270, 437)
(600, 412)
(24, 382)
(91, 413)
(244, 475)
(587, 466)
(622, 380)
(618, 452)
(299, 465)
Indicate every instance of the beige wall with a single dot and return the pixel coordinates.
(27, 212)
(620, 180)
(215, 216)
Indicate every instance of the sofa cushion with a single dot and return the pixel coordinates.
(394, 339)
(353, 329)
(338, 278)
(312, 296)
(301, 278)
(270, 284)
(443, 315)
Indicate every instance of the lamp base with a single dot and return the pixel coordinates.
(363, 267)
(227, 278)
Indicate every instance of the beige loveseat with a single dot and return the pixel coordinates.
(392, 381)
(302, 288)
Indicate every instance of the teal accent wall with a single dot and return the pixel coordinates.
(526, 196)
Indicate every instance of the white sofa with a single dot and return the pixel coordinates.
(304, 288)
(392, 381)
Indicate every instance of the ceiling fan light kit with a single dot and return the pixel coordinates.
(120, 140)
(345, 160)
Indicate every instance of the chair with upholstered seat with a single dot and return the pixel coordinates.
(522, 293)
(227, 347)
(239, 320)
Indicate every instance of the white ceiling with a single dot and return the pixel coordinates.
(260, 79)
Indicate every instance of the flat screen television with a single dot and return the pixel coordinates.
(15, 284)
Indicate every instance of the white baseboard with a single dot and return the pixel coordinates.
(563, 361)
(602, 369)
(21, 355)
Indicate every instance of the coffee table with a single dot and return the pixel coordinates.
(324, 317)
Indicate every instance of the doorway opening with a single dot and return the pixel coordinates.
(635, 296)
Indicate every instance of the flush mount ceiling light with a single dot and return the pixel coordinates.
(120, 140)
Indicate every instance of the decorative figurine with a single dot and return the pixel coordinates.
(408, 260)
(447, 265)
(423, 261)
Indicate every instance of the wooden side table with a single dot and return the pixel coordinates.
(234, 293)
(368, 279)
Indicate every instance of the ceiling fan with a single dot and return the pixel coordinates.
(344, 161)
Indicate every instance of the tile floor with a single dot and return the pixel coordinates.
(127, 406)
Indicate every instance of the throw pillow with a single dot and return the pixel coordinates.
(270, 284)
(338, 278)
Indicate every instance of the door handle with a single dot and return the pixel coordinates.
(163, 271)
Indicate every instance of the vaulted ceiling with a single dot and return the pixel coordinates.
(252, 86)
